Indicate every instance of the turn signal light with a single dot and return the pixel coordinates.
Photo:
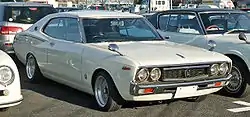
(146, 91)
(217, 84)
(126, 68)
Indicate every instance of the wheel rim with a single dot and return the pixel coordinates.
(236, 80)
(30, 67)
(101, 91)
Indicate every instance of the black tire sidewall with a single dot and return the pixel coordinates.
(113, 99)
(241, 92)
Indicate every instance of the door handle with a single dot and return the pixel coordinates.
(51, 43)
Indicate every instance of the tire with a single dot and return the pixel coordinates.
(197, 98)
(4, 109)
(32, 70)
(239, 76)
(112, 101)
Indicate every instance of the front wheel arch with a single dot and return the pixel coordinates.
(96, 72)
(239, 59)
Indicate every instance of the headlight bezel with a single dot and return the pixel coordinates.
(139, 71)
(219, 65)
(149, 72)
(226, 70)
(159, 72)
(12, 78)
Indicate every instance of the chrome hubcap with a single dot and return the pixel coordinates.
(236, 80)
(30, 67)
(101, 91)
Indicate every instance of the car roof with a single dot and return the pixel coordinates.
(202, 10)
(23, 4)
(99, 14)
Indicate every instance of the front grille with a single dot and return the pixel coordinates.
(185, 72)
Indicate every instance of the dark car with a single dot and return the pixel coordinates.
(246, 10)
(18, 16)
(206, 28)
(66, 9)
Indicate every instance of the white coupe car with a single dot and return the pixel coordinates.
(10, 90)
(117, 57)
(229, 29)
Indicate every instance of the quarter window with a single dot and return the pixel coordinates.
(64, 29)
(163, 22)
(56, 28)
(181, 23)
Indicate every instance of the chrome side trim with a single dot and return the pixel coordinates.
(187, 64)
(186, 67)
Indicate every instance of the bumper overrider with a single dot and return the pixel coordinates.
(188, 89)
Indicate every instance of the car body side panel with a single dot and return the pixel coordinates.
(190, 39)
(96, 58)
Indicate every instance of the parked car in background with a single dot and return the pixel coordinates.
(96, 7)
(206, 6)
(66, 9)
(228, 28)
(112, 55)
(18, 16)
(247, 10)
(147, 15)
(10, 90)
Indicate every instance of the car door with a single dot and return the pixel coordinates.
(64, 51)
(182, 28)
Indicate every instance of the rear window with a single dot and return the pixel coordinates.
(26, 15)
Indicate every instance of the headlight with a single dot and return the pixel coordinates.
(6, 75)
(142, 75)
(155, 74)
(223, 68)
(214, 69)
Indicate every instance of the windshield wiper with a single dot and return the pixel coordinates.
(236, 30)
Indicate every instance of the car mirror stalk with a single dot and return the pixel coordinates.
(114, 48)
(211, 44)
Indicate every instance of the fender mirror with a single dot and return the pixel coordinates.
(211, 44)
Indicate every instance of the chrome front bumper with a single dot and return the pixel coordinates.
(171, 87)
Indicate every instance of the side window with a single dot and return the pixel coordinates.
(172, 24)
(163, 22)
(56, 28)
(163, 2)
(184, 23)
(72, 30)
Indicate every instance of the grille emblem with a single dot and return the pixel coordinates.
(187, 73)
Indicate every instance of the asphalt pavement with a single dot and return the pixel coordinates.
(51, 99)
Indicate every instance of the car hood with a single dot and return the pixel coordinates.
(162, 52)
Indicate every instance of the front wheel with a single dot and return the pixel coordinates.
(237, 86)
(106, 95)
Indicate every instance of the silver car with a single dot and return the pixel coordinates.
(18, 16)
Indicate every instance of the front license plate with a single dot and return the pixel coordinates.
(186, 91)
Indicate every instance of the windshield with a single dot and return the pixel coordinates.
(220, 23)
(123, 29)
(26, 15)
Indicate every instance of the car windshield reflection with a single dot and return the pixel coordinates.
(221, 23)
(114, 29)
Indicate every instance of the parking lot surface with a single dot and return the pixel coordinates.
(50, 99)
